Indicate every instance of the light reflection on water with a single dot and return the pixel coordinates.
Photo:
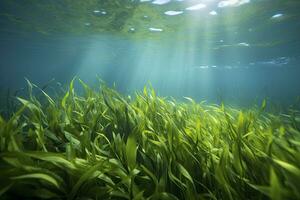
(184, 47)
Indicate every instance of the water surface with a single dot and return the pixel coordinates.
(237, 51)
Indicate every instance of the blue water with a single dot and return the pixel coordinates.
(235, 51)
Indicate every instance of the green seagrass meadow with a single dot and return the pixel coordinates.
(104, 145)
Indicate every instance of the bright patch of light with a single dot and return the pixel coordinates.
(203, 67)
(161, 2)
(244, 2)
(277, 15)
(98, 12)
(132, 29)
(243, 44)
(225, 4)
(213, 12)
(276, 61)
(144, 0)
(155, 29)
(228, 3)
(87, 24)
(196, 7)
(172, 13)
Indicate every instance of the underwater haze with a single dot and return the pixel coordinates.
(236, 51)
(150, 99)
